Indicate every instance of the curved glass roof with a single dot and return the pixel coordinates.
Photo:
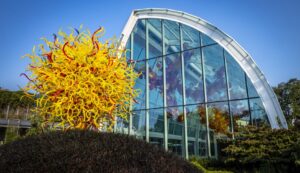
(197, 84)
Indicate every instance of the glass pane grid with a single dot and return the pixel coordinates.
(202, 59)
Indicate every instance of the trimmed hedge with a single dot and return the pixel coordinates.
(205, 165)
(87, 151)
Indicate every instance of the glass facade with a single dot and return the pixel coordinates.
(214, 67)
(196, 130)
(192, 91)
(156, 127)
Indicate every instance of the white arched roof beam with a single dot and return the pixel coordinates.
(259, 81)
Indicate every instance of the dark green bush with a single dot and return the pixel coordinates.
(263, 150)
(86, 151)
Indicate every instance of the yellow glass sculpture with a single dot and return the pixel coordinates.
(80, 82)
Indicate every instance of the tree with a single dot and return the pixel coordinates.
(288, 95)
(258, 148)
(81, 82)
(15, 100)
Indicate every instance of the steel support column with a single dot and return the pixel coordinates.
(164, 88)
(147, 81)
(186, 153)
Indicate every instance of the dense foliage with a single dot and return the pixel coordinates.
(82, 82)
(264, 149)
(288, 95)
(87, 151)
(14, 99)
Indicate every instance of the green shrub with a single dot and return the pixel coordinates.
(200, 167)
(87, 151)
(263, 150)
(209, 165)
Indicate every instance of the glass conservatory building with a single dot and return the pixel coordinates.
(197, 84)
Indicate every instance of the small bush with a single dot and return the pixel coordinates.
(209, 165)
(86, 151)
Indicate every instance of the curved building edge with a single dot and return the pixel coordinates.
(264, 90)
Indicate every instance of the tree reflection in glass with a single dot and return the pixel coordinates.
(218, 117)
(240, 113)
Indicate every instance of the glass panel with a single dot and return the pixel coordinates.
(155, 38)
(202, 149)
(206, 40)
(213, 143)
(258, 113)
(139, 41)
(219, 118)
(156, 127)
(138, 124)
(173, 80)
(128, 48)
(140, 84)
(239, 111)
(196, 129)
(171, 36)
(190, 37)
(193, 76)
(175, 130)
(155, 83)
(214, 73)
(236, 79)
(192, 148)
(251, 90)
(122, 126)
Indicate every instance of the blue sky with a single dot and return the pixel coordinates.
(267, 29)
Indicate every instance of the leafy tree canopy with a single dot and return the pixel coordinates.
(288, 95)
(14, 99)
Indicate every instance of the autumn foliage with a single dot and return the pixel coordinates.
(81, 82)
(218, 120)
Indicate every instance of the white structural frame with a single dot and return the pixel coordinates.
(264, 90)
